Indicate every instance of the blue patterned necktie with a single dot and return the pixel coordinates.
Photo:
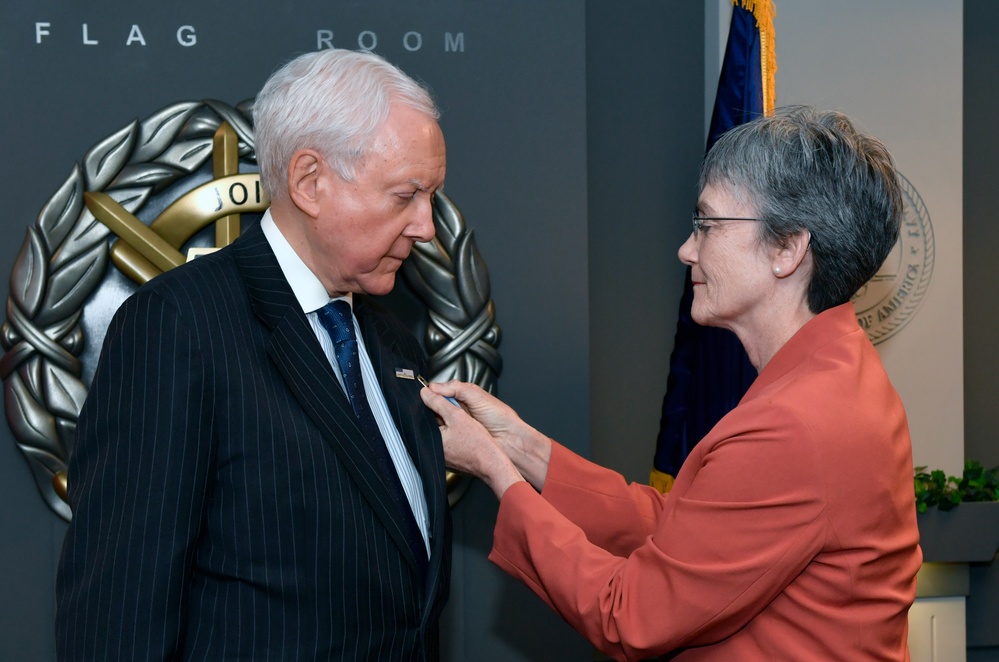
(336, 318)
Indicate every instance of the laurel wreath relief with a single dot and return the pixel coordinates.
(65, 257)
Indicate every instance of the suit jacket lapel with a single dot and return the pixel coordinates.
(306, 370)
(415, 422)
(399, 392)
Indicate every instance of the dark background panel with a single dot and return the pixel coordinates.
(525, 88)
(574, 134)
(510, 80)
(981, 273)
(645, 137)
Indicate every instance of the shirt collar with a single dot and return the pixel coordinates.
(307, 288)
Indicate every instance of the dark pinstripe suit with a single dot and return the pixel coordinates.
(224, 504)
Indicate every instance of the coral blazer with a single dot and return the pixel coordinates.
(790, 533)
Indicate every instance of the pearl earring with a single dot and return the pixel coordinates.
(777, 270)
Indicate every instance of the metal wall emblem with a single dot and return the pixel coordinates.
(142, 197)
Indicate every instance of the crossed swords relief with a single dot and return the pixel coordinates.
(143, 252)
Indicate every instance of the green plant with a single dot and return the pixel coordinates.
(934, 488)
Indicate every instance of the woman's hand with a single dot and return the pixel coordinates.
(485, 425)
(468, 446)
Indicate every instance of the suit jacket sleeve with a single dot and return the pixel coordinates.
(682, 584)
(137, 481)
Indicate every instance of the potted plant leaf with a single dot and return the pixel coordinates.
(958, 516)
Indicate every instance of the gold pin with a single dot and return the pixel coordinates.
(427, 384)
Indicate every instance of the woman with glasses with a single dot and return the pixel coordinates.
(790, 533)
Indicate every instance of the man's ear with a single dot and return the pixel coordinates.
(305, 171)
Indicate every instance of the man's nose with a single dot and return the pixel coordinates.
(422, 226)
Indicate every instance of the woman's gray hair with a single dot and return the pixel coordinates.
(805, 170)
(333, 101)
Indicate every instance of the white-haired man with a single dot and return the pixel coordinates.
(251, 480)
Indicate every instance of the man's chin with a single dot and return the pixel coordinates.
(379, 286)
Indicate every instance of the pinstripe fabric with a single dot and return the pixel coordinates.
(224, 507)
(338, 319)
(412, 484)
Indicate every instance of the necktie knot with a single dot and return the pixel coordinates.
(336, 318)
(338, 321)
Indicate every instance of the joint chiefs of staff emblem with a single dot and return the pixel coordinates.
(150, 196)
(888, 301)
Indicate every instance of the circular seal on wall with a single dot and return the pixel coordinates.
(890, 299)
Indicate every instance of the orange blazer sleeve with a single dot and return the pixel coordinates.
(789, 534)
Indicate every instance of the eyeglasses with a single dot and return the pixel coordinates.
(698, 221)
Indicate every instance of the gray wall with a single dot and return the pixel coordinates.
(574, 134)
(514, 113)
(645, 116)
(981, 273)
(981, 231)
(565, 229)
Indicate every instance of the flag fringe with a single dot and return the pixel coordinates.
(661, 480)
(764, 12)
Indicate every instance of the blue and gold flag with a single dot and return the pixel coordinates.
(709, 371)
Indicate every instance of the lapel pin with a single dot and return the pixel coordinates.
(427, 384)
(404, 373)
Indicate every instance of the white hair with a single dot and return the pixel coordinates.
(333, 101)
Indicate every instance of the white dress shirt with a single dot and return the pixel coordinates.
(312, 296)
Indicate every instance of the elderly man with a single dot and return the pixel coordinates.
(251, 479)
